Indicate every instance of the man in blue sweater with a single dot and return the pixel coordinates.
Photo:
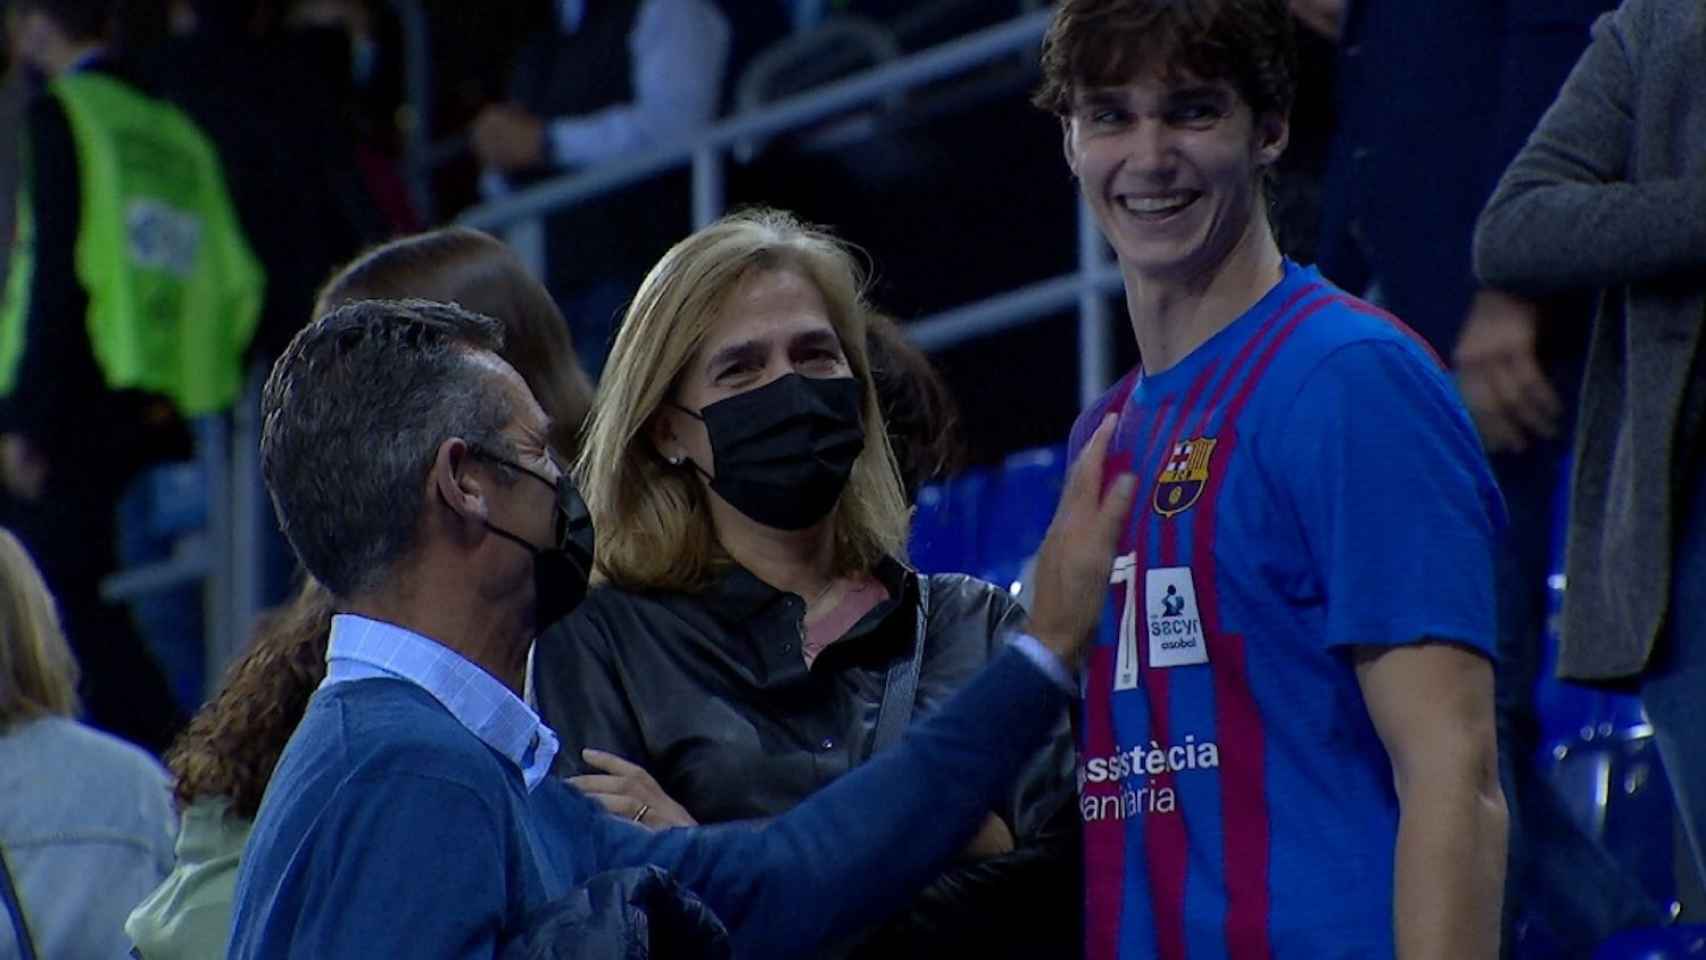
(412, 814)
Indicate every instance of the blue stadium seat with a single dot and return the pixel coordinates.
(1571, 713)
(944, 528)
(1684, 942)
(1017, 511)
(1597, 749)
(1615, 789)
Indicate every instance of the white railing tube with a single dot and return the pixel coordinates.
(1005, 310)
(920, 68)
(1095, 340)
(708, 189)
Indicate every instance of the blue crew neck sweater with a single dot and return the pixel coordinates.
(389, 829)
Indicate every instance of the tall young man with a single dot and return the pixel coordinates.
(1287, 734)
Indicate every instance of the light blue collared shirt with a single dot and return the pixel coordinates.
(363, 649)
(680, 52)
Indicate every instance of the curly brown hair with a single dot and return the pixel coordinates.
(232, 745)
(1252, 44)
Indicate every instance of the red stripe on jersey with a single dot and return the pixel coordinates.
(1364, 307)
(1238, 722)
(1167, 846)
(1249, 349)
(1103, 838)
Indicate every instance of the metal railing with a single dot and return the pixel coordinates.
(227, 557)
(518, 216)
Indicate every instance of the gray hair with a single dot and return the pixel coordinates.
(353, 416)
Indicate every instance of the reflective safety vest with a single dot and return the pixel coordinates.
(174, 291)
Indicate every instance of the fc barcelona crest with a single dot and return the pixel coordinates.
(1183, 476)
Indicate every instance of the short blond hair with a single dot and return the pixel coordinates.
(653, 521)
(38, 675)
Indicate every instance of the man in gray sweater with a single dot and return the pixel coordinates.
(1610, 192)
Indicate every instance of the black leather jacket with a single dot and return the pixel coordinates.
(634, 914)
(709, 692)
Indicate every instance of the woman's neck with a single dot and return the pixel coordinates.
(796, 561)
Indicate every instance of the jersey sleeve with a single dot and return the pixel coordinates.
(1397, 506)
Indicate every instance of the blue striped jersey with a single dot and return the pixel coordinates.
(1308, 481)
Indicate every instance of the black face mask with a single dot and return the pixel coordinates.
(784, 451)
(560, 571)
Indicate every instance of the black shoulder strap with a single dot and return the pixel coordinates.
(15, 907)
(901, 688)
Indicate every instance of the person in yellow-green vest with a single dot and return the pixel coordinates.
(129, 304)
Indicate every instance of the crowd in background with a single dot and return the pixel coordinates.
(1413, 124)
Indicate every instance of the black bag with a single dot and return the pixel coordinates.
(638, 913)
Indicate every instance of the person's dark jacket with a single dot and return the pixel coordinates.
(710, 694)
(637, 913)
(1611, 193)
(273, 108)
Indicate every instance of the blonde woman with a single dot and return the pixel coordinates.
(86, 825)
(757, 633)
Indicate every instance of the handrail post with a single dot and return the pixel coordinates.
(527, 239)
(249, 504)
(1095, 341)
(950, 58)
(215, 449)
(417, 88)
(708, 185)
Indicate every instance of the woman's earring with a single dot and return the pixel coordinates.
(677, 460)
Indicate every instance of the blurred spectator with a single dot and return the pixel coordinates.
(1610, 193)
(223, 761)
(744, 356)
(614, 77)
(1401, 196)
(275, 101)
(1295, 187)
(367, 80)
(269, 98)
(86, 825)
(131, 299)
